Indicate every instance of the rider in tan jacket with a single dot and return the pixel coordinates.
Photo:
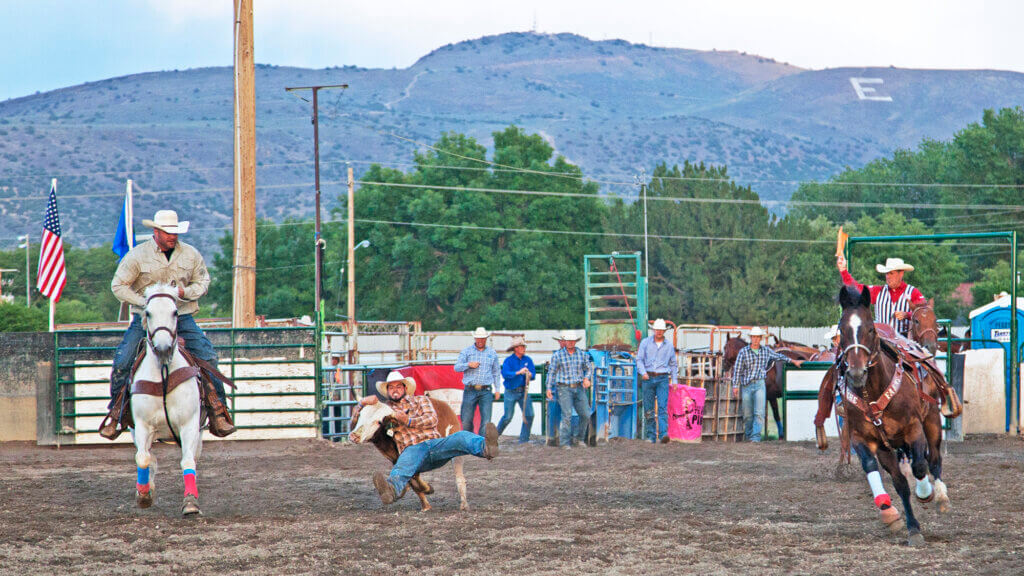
(164, 259)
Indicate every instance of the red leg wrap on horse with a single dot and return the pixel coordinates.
(883, 500)
(190, 485)
(142, 488)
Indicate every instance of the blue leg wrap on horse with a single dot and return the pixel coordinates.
(143, 476)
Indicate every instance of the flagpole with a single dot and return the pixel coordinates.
(130, 224)
(53, 186)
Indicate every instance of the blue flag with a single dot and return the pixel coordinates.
(124, 237)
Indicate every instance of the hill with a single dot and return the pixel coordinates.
(611, 107)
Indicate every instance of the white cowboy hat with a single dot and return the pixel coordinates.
(757, 331)
(659, 324)
(567, 335)
(167, 220)
(517, 341)
(480, 333)
(396, 376)
(893, 264)
(832, 333)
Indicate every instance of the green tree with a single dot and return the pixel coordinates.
(451, 276)
(937, 269)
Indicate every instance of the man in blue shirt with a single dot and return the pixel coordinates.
(518, 371)
(748, 373)
(570, 371)
(480, 380)
(657, 365)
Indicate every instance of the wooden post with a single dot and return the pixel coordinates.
(353, 325)
(243, 301)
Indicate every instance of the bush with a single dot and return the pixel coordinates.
(18, 318)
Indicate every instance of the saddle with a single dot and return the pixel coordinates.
(197, 368)
(921, 363)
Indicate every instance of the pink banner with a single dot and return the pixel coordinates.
(685, 413)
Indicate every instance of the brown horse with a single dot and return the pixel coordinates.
(773, 376)
(957, 347)
(924, 326)
(888, 416)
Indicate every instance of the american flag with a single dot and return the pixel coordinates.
(51, 276)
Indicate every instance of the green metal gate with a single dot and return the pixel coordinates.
(276, 373)
(1011, 238)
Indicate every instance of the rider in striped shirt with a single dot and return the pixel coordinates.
(892, 301)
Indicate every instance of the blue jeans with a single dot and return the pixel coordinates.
(196, 343)
(655, 387)
(432, 454)
(753, 409)
(569, 398)
(471, 399)
(514, 398)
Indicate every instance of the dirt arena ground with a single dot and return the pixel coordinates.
(309, 507)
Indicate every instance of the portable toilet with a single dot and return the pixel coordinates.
(992, 322)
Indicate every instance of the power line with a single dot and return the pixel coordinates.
(739, 201)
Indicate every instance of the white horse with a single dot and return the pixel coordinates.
(171, 414)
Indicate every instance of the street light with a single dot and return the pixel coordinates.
(341, 272)
(28, 273)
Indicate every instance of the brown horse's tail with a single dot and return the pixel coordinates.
(826, 398)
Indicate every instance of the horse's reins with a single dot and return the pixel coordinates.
(163, 367)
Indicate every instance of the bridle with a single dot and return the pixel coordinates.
(172, 333)
(872, 354)
(913, 315)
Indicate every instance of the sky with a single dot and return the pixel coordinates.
(50, 44)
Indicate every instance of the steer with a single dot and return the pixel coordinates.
(368, 428)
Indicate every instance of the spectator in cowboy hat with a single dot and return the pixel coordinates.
(481, 373)
(751, 365)
(891, 301)
(658, 368)
(163, 260)
(518, 371)
(570, 371)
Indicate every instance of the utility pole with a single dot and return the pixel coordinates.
(318, 239)
(28, 272)
(642, 180)
(353, 325)
(243, 300)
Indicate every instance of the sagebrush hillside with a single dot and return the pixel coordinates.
(611, 107)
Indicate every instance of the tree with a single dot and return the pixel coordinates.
(450, 273)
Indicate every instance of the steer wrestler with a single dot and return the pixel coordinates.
(420, 445)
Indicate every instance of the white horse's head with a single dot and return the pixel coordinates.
(160, 320)
(368, 422)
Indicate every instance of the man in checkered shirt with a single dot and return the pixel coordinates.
(570, 371)
(748, 375)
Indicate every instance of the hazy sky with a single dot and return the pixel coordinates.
(50, 44)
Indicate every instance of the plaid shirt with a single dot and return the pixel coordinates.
(568, 368)
(488, 373)
(752, 364)
(422, 421)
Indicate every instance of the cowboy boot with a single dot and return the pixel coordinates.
(111, 428)
(220, 421)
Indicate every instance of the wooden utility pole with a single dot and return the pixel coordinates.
(243, 301)
(353, 325)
